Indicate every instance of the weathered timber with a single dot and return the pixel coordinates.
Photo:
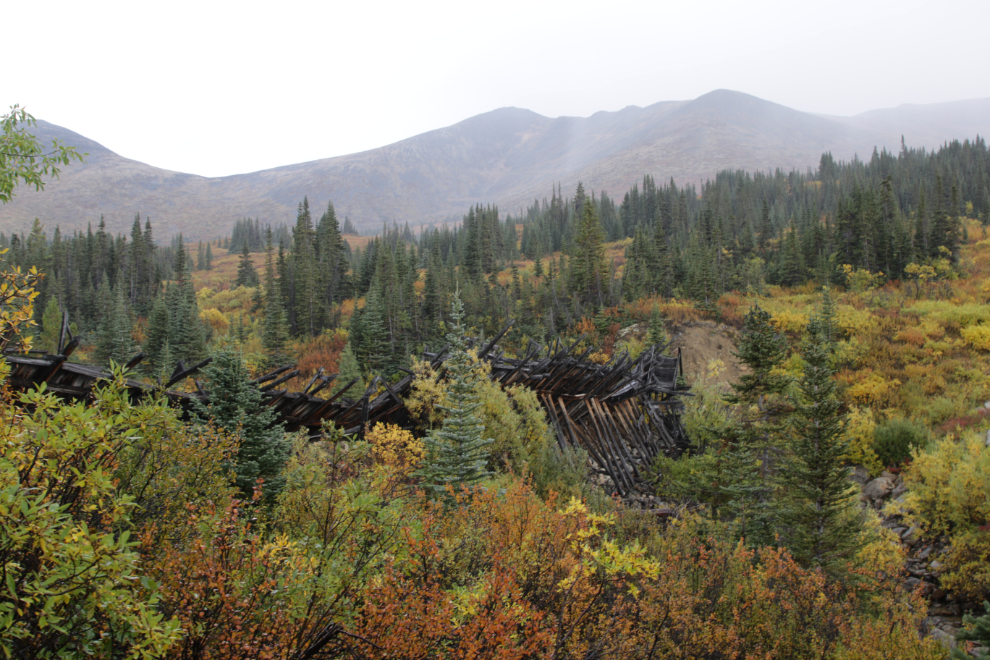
(623, 413)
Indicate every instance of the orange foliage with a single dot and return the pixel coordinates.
(321, 351)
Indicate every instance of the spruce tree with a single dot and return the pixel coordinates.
(657, 335)
(235, 405)
(977, 629)
(246, 273)
(157, 338)
(374, 351)
(275, 330)
(748, 471)
(457, 453)
(589, 272)
(51, 326)
(115, 341)
(349, 369)
(819, 523)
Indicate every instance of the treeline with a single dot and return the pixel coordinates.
(739, 231)
(77, 266)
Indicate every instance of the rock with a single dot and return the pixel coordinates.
(986, 404)
(987, 443)
(898, 492)
(912, 536)
(878, 489)
(947, 640)
(888, 475)
(925, 552)
(860, 475)
(938, 594)
(934, 566)
(911, 583)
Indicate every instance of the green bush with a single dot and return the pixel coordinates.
(895, 439)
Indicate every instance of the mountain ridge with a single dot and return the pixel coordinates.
(508, 156)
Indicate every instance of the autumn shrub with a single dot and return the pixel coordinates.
(977, 336)
(324, 350)
(395, 447)
(896, 439)
(913, 336)
(861, 427)
(73, 585)
(949, 494)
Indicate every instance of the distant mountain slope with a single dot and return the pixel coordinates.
(508, 156)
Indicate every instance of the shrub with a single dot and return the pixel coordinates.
(73, 584)
(395, 446)
(896, 439)
(861, 426)
(949, 494)
(977, 336)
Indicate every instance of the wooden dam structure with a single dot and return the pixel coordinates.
(622, 413)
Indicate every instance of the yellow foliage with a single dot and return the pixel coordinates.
(861, 423)
(949, 493)
(882, 549)
(873, 389)
(977, 336)
(861, 280)
(215, 319)
(17, 296)
(949, 485)
(599, 357)
(855, 322)
(395, 447)
(788, 321)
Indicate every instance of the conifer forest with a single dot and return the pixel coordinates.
(734, 420)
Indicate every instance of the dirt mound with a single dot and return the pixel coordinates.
(702, 342)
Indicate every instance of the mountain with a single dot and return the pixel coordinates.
(508, 156)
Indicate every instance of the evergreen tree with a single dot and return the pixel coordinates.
(589, 272)
(51, 326)
(348, 371)
(762, 349)
(748, 479)
(186, 332)
(657, 335)
(115, 341)
(977, 630)
(235, 405)
(374, 351)
(457, 453)
(819, 523)
(208, 258)
(275, 331)
(156, 339)
(246, 273)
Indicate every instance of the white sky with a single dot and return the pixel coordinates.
(217, 88)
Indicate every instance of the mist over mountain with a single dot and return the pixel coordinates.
(508, 157)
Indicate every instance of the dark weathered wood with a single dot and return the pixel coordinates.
(272, 374)
(185, 373)
(134, 361)
(623, 413)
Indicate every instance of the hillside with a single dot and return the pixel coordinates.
(508, 156)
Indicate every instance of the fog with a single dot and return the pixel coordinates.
(221, 88)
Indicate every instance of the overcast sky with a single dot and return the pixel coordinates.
(217, 88)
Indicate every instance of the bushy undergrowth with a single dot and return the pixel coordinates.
(896, 439)
(949, 495)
